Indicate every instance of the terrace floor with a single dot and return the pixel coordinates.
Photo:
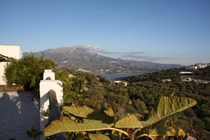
(18, 113)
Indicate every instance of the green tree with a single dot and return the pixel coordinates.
(140, 106)
(27, 71)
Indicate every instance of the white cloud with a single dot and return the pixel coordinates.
(138, 55)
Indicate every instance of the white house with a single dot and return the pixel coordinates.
(199, 66)
(118, 81)
(186, 76)
(13, 51)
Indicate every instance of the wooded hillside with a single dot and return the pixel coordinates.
(141, 95)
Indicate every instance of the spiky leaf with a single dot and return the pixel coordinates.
(67, 125)
(82, 111)
(98, 137)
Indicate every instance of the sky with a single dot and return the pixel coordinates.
(163, 31)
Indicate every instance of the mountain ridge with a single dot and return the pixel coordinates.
(86, 58)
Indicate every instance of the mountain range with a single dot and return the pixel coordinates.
(85, 59)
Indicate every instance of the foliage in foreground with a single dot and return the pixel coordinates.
(81, 120)
(141, 95)
(27, 71)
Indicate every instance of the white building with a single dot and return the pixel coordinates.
(199, 66)
(12, 51)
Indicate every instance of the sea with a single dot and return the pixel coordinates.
(118, 75)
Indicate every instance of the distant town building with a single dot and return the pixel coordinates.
(118, 82)
(186, 76)
(199, 66)
(185, 72)
(9, 51)
(83, 70)
(187, 79)
(166, 80)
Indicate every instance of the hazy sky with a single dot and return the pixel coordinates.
(165, 31)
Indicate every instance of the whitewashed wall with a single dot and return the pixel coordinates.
(10, 51)
(2, 77)
(45, 86)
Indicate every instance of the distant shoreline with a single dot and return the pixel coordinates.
(117, 75)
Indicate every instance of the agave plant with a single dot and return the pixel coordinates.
(33, 133)
(84, 119)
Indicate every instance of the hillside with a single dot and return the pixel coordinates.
(149, 87)
(141, 94)
(83, 58)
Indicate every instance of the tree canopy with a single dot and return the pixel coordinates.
(27, 71)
